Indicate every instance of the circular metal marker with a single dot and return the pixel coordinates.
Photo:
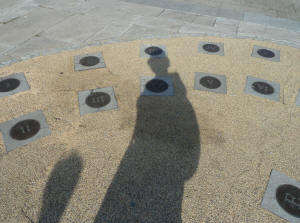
(89, 61)
(25, 129)
(288, 197)
(266, 53)
(211, 48)
(97, 99)
(9, 84)
(262, 88)
(153, 51)
(210, 82)
(157, 85)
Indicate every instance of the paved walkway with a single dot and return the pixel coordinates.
(35, 27)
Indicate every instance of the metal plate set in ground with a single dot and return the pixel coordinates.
(153, 51)
(211, 48)
(263, 88)
(157, 86)
(210, 82)
(23, 130)
(96, 100)
(88, 61)
(266, 53)
(282, 197)
(13, 84)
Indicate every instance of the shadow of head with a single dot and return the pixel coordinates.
(160, 66)
(59, 188)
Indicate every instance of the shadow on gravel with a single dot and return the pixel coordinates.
(60, 187)
(164, 152)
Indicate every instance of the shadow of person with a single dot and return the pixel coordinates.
(164, 152)
(59, 188)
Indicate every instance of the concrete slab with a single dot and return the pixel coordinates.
(210, 82)
(261, 90)
(205, 20)
(266, 53)
(178, 15)
(271, 202)
(104, 102)
(17, 85)
(67, 31)
(24, 130)
(88, 61)
(137, 31)
(164, 80)
(22, 29)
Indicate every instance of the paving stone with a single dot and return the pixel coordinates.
(37, 45)
(230, 13)
(276, 53)
(33, 23)
(285, 23)
(281, 34)
(271, 195)
(162, 23)
(167, 80)
(177, 15)
(246, 29)
(205, 20)
(210, 82)
(137, 32)
(21, 84)
(88, 61)
(67, 31)
(12, 143)
(113, 30)
(257, 18)
(99, 102)
(13, 9)
(249, 89)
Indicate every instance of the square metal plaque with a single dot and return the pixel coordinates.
(13, 84)
(157, 86)
(88, 61)
(263, 88)
(266, 53)
(282, 197)
(24, 130)
(210, 82)
(211, 48)
(153, 51)
(96, 100)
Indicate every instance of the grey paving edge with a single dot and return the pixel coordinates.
(269, 201)
(112, 41)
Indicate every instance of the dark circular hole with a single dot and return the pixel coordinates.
(210, 82)
(266, 53)
(89, 61)
(97, 99)
(157, 85)
(212, 48)
(263, 88)
(153, 51)
(9, 84)
(25, 129)
(288, 197)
